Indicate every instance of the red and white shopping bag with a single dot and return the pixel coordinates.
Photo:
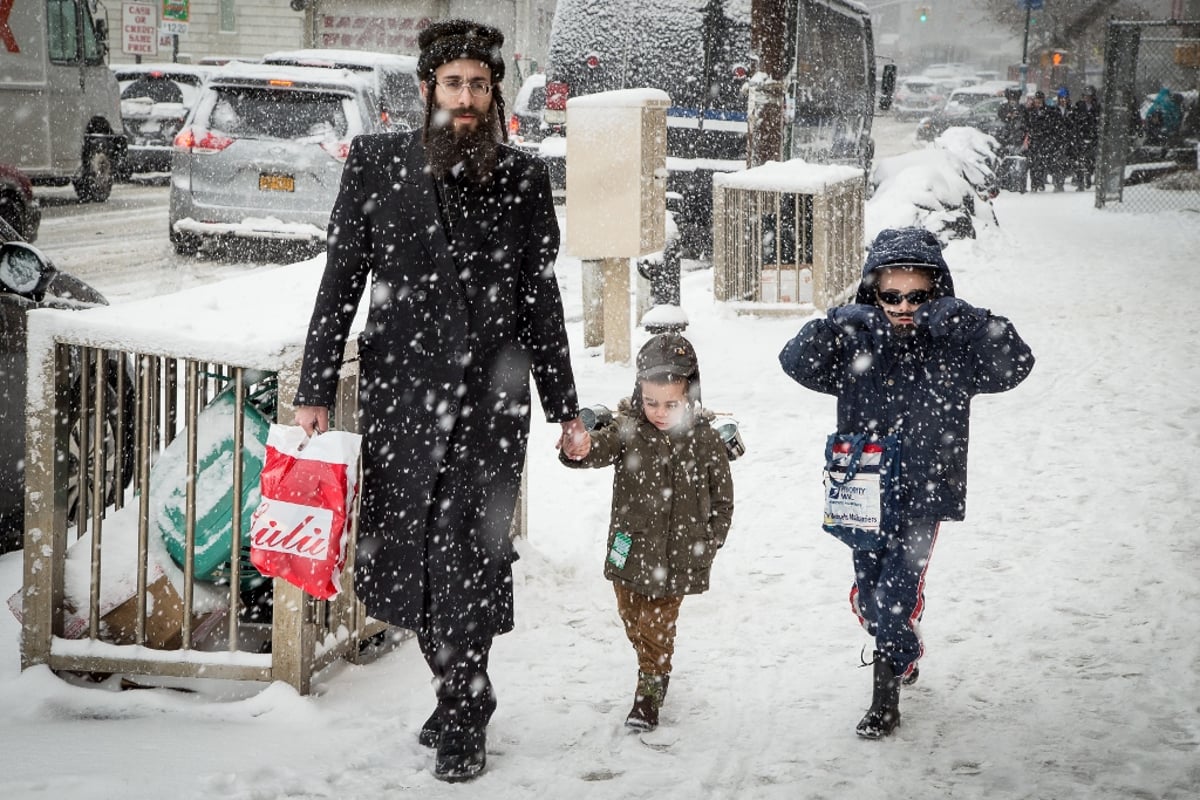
(300, 529)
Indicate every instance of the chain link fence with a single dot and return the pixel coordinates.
(1150, 123)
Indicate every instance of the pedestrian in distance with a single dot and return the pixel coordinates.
(1013, 170)
(1085, 124)
(1041, 136)
(904, 361)
(1163, 117)
(1012, 117)
(1063, 132)
(455, 233)
(672, 504)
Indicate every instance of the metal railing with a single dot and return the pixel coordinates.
(786, 251)
(98, 421)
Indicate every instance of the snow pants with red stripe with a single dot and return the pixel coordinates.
(888, 595)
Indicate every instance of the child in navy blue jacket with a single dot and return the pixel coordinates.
(905, 359)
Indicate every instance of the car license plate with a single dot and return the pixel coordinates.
(276, 183)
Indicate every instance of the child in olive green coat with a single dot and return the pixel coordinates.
(672, 505)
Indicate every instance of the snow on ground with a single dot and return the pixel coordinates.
(1062, 657)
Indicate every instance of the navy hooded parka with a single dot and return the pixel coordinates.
(917, 386)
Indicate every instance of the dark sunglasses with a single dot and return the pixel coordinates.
(891, 298)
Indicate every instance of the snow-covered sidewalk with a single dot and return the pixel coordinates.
(1061, 629)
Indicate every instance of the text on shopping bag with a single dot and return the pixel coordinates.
(283, 527)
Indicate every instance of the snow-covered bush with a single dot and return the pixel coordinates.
(946, 188)
(978, 154)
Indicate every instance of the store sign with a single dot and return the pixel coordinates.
(393, 34)
(139, 29)
(175, 11)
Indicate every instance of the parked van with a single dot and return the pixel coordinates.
(155, 101)
(61, 120)
(698, 52)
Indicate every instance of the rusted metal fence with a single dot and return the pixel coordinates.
(99, 419)
(786, 250)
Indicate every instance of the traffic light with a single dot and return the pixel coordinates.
(922, 13)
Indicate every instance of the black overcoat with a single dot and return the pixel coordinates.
(445, 358)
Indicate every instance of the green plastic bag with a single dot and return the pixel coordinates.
(214, 491)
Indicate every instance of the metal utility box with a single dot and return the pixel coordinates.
(616, 173)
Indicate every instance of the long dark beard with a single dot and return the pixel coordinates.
(476, 149)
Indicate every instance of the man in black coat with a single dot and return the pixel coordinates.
(905, 359)
(1042, 130)
(456, 233)
(1085, 120)
(1063, 157)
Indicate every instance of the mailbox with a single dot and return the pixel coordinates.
(616, 173)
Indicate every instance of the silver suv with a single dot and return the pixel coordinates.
(395, 79)
(261, 155)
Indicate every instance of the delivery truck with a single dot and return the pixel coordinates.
(61, 109)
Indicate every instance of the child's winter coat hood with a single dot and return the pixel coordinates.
(905, 247)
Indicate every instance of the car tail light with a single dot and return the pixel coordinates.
(209, 142)
(339, 150)
(514, 125)
(557, 93)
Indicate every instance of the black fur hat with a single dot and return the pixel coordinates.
(447, 40)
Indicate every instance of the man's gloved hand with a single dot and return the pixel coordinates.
(858, 316)
(947, 314)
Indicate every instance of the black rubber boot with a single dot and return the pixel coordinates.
(647, 700)
(460, 676)
(883, 716)
(462, 749)
(432, 729)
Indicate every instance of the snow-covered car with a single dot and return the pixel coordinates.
(28, 281)
(397, 86)
(18, 207)
(918, 97)
(960, 101)
(261, 156)
(982, 115)
(525, 123)
(155, 101)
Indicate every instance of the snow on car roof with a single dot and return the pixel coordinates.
(987, 88)
(534, 81)
(309, 76)
(366, 58)
(165, 67)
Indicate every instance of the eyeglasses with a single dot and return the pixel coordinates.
(892, 298)
(477, 88)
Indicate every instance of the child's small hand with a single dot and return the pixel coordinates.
(575, 441)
